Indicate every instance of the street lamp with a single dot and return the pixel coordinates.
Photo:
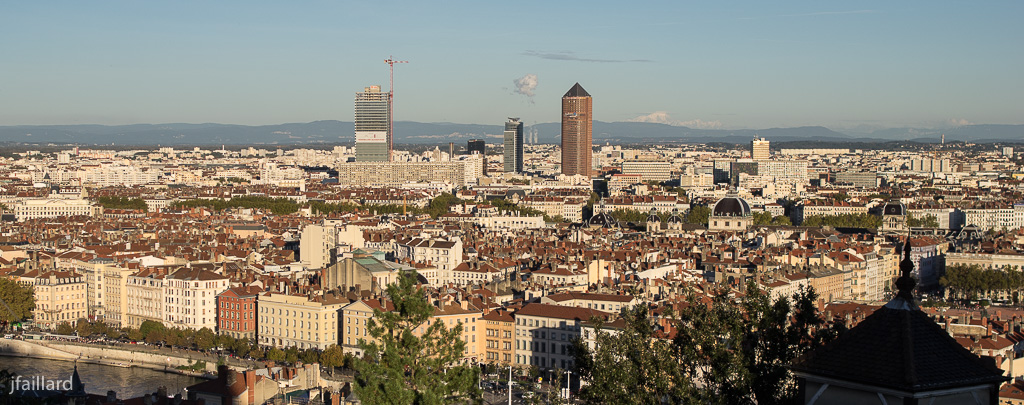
(568, 384)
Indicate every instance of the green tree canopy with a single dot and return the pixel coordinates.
(332, 358)
(275, 354)
(148, 326)
(927, 221)
(970, 282)
(123, 203)
(723, 353)
(631, 365)
(698, 214)
(65, 328)
(765, 218)
(402, 367)
(20, 300)
(278, 206)
(205, 339)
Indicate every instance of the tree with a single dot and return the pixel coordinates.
(156, 336)
(65, 328)
(927, 221)
(205, 339)
(133, 334)
(20, 300)
(148, 326)
(765, 218)
(258, 353)
(123, 203)
(83, 328)
(401, 367)
(291, 354)
(698, 214)
(275, 354)
(724, 352)
(630, 365)
(113, 333)
(309, 356)
(240, 347)
(332, 358)
(762, 218)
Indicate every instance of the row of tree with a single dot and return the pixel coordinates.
(765, 218)
(927, 221)
(697, 214)
(204, 339)
(278, 206)
(973, 281)
(123, 203)
(437, 206)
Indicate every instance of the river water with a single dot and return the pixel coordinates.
(98, 379)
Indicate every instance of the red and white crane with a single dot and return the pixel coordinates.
(391, 100)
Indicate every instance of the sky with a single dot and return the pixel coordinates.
(843, 65)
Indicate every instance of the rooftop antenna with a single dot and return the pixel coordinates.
(391, 97)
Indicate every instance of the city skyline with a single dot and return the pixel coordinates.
(710, 66)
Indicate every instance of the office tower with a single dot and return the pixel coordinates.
(759, 149)
(577, 131)
(477, 146)
(373, 132)
(513, 145)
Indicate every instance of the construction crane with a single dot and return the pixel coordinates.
(391, 100)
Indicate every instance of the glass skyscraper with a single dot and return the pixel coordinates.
(373, 133)
(514, 145)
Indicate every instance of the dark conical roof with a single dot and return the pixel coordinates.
(576, 91)
(900, 347)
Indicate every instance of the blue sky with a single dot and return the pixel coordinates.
(732, 65)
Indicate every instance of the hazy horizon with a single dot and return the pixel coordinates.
(729, 66)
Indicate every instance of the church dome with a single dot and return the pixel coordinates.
(602, 220)
(653, 216)
(675, 218)
(894, 208)
(731, 207)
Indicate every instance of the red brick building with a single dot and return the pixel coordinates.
(236, 312)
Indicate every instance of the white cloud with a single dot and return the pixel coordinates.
(662, 117)
(958, 122)
(526, 85)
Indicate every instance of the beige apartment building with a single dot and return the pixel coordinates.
(60, 296)
(115, 300)
(299, 320)
(499, 329)
(393, 174)
(144, 297)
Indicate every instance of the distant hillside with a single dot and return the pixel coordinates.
(334, 132)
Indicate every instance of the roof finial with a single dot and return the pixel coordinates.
(906, 283)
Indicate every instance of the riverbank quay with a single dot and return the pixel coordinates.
(150, 357)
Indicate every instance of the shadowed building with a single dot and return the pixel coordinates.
(476, 146)
(897, 355)
(513, 146)
(577, 131)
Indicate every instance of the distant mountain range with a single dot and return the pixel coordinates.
(336, 132)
